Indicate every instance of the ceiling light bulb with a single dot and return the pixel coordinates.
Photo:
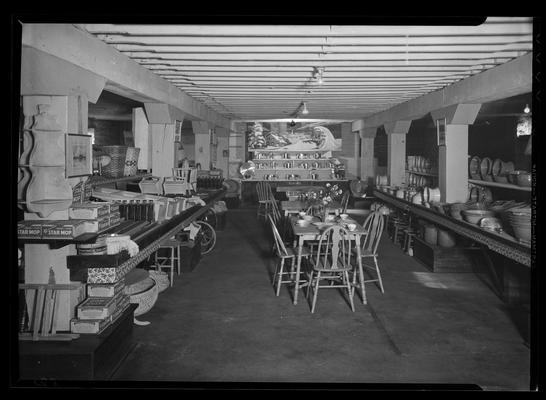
(304, 110)
(319, 80)
(526, 110)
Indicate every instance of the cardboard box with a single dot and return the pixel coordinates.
(105, 289)
(89, 210)
(29, 230)
(94, 326)
(97, 225)
(115, 218)
(63, 229)
(104, 275)
(97, 307)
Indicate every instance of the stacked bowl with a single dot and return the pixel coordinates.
(520, 221)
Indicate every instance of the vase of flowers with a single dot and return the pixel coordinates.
(318, 200)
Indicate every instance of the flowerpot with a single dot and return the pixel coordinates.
(445, 238)
(431, 234)
(474, 216)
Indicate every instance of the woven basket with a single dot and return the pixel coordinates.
(131, 161)
(162, 280)
(145, 298)
(116, 167)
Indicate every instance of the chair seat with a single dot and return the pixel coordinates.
(327, 269)
(365, 253)
(305, 252)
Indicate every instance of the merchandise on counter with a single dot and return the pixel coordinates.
(78, 325)
(89, 210)
(29, 230)
(68, 229)
(105, 289)
(97, 225)
(97, 307)
(115, 218)
(104, 275)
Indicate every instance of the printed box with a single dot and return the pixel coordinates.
(104, 275)
(93, 326)
(29, 230)
(89, 210)
(63, 229)
(97, 307)
(105, 289)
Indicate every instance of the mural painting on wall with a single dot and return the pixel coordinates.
(313, 138)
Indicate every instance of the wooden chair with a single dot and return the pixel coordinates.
(332, 263)
(345, 202)
(264, 201)
(283, 252)
(374, 226)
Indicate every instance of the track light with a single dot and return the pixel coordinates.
(317, 74)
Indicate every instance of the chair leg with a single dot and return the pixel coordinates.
(279, 277)
(378, 274)
(315, 292)
(346, 281)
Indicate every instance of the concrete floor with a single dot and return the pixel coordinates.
(223, 323)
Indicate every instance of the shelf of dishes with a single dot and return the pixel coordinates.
(260, 164)
(421, 165)
(503, 226)
(497, 173)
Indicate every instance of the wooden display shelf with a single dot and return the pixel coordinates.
(298, 168)
(505, 245)
(88, 237)
(87, 357)
(500, 185)
(290, 159)
(98, 181)
(409, 171)
(288, 151)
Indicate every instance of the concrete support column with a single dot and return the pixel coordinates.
(143, 138)
(65, 114)
(202, 143)
(237, 144)
(453, 150)
(396, 151)
(222, 149)
(367, 165)
(453, 162)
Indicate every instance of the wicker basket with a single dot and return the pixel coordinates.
(116, 167)
(131, 161)
(162, 280)
(144, 293)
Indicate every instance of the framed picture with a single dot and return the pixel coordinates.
(177, 131)
(79, 155)
(441, 130)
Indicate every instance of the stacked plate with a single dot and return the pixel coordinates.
(520, 220)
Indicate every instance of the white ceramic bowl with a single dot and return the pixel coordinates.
(351, 227)
(307, 218)
(303, 223)
(343, 216)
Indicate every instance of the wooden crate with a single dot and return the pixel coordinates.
(442, 259)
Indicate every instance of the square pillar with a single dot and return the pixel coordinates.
(162, 149)
(396, 151)
(367, 161)
(453, 165)
(202, 144)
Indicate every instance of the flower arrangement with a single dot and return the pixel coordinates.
(318, 200)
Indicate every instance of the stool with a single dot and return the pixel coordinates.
(168, 262)
(409, 234)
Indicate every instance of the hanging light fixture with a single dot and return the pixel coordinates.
(526, 110)
(303, 108)
(317, 75)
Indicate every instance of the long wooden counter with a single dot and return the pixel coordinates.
(249, 195)
(502, 244)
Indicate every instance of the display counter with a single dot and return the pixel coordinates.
(505, 245)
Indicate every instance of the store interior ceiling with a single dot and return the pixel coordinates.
(256, 72)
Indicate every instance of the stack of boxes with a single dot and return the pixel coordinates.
(104, 304)
(88, 217)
